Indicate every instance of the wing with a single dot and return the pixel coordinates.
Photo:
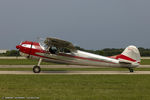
(59, 43)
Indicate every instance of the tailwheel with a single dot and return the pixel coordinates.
(131, 70)
(36, 69)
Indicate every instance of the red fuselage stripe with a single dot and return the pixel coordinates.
(126, 58)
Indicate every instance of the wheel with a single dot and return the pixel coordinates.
(131, 70)
(36, 69)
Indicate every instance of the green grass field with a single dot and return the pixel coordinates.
(76, 87)
(145, 62)
(34, 62)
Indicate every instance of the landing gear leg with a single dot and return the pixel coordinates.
(37, 69)
(131, 70)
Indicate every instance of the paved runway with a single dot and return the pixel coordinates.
(60, 66)
(74, 72)
(13, 57)
(69, 72)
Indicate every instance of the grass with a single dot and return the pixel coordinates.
(34, 62)
(145, 62)
(76, 87)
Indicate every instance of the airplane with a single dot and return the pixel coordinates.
(61, 51)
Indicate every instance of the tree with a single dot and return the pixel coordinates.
(12, 53)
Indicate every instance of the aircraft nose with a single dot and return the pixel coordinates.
(18, 46)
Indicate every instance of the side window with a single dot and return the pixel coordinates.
(61, 50)
(53, 50)
(66, 50)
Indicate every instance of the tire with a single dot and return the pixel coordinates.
(131, 70)
(36, 69)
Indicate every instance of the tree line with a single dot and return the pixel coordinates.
(105, 52)
(11, 53)
(113, 51)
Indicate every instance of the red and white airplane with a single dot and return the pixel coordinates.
(60, 51)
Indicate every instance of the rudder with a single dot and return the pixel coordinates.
(131, 54)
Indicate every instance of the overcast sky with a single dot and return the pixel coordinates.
(91, 24)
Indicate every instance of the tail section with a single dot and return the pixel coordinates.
(130, 55)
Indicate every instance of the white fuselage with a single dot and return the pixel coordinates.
(81, 58)
(36, 51)
(128, 59)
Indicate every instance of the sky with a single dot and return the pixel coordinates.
(90, 24)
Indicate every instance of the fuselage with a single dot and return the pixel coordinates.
(35, 50)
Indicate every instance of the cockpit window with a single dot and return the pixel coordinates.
(54, 46)
(53, 50)
(67, 50)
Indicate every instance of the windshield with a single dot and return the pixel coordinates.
(43, 45)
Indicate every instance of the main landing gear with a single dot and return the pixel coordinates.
(37, 69)
(131, 70)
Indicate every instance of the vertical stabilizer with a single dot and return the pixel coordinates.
(131, 54)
